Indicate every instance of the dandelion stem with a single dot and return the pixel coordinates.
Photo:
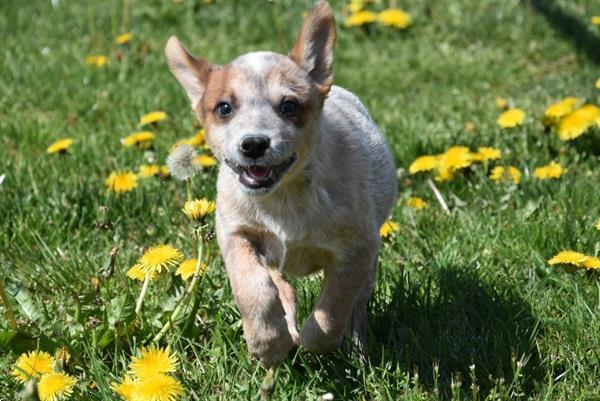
(190, 195)
(138, 305)
(438, 196)
(9, 312)
(191, 290)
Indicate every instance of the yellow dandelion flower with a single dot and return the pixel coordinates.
(578, 122)
(56, 386)
(33, 364)
(60, 146)
(511, 118)
(388, 228)
(470, 127)
(141, 139)
(596, 20)
(568, 257)
(557, 110)
(356, 5)
(187, 268)
(164, 171)
(592, 263)
(152, 117)
(158, 387)
(501, 103)
(124, 38)
(153, 361)
(552, 170)
(96, 61)
(500, 173)
(159, 257)
(598, 225)
(204, 161)
(121, 181)
(423, 163)
(394, 17)
(444, 174)
(361, 18)
(136, 273)
(485, 154)
(198, 209)
(416, 203)
(126, 388)
(148, 170)
(455, 158)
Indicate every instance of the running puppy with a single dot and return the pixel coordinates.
(306, 180)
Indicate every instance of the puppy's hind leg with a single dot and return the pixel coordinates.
(360, 318)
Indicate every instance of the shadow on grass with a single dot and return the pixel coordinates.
(570, 27)
(454, 322)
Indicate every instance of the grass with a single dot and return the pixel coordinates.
(466, 306)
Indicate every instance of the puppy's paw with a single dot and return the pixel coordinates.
(271, 347)
(317, 338)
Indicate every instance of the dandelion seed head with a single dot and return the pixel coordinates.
(181, 162)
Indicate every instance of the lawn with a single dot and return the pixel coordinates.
(466, 305)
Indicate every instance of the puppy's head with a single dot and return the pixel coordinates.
(260, 111)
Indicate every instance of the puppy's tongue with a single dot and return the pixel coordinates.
(258, 173)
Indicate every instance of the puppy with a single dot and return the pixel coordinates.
(305, 181)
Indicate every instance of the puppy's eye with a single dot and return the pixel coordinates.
(288, 107)
(224, 109)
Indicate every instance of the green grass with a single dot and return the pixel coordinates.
(466, 306)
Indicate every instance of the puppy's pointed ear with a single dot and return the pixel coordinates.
(313, 49)
(191, 72)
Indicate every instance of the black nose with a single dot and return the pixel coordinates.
(254, 146)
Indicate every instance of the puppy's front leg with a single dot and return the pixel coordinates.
(263, 315)
(324, 329)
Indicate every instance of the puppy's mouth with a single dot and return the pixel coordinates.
(260, 177)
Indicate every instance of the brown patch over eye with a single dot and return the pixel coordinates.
(220, 91)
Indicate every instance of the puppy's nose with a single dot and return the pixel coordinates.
(254, 146)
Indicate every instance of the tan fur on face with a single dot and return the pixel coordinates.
(326, 210)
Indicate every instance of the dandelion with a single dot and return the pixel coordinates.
(121, 181)
(141, 139)
(124, 38)
(557, 110)
(181, 162)
(455, 158)
(416, 203)
(592, 263)
(153, 361)
(485, 154)
(152, 117)
(197, 140)
(361, 18)
(205, 161)
(164, 171)
(388, 228)
(159, 258)
(33, 364)
(148, 170)
(578, 122)
(501, 103)
(598, 225)
(60, 146)
(511, 118)
(198, 209)
(98, 61)
(596, 20)
(576, 259)
(500, 173)
(394, 17)
(187, 268)
(552, 170)
(56, 386)
(356, 5)
(423, 163)
(126, 388)
(158, 387)
(136, 273)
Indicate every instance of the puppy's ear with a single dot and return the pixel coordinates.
(191, 72)
(313, 49)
